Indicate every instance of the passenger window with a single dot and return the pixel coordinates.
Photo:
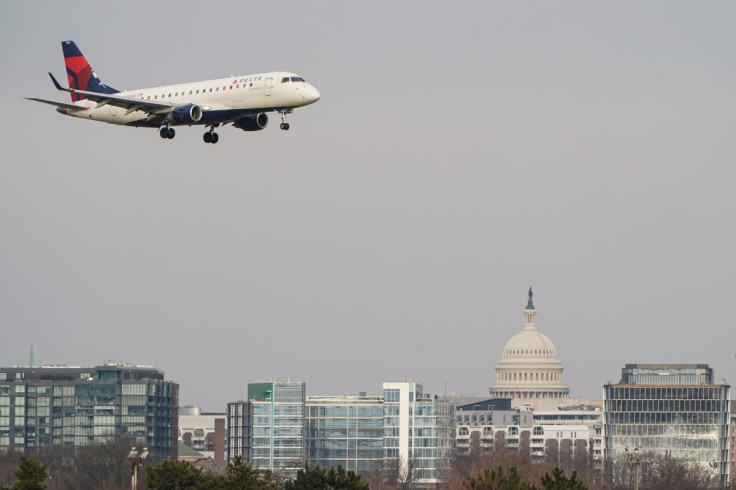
(169, 95)
(210, 89)
(190, 92)
(217, 89)
(155, 97)
(149, 97)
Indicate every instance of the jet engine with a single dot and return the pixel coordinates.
(186, 114)
(252, 123)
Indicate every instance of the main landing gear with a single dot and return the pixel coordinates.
(210, 136)
(284, 125)
(167, 132)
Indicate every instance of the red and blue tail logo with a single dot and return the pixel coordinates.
(80, 74)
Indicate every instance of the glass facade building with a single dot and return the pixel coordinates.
(672, 410)
(345, 431)
(76, 406)
(268, 429)
(404, 428)
(418, 432)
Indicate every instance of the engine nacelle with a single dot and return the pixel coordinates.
(186, 114)
(252, 123)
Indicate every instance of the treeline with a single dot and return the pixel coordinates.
(182, 475)
(97, 467)
(512, 470)
(105, 467)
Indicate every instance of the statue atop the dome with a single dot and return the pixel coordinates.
(530, 304)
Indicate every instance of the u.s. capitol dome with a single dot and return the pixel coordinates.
(529, 370)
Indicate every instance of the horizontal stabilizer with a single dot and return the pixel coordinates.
(57, 104)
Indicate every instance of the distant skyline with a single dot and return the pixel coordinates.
(459, 154)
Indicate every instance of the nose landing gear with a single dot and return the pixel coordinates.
(284, 125)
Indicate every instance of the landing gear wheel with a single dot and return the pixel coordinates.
(283, 113)
(214, 138)
(171, 134)
(164, 132)
(208, 137)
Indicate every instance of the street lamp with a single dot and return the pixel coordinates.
(635, 459)
(136, 459)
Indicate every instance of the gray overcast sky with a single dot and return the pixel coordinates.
(461, 152)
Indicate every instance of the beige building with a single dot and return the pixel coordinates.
(203, 433)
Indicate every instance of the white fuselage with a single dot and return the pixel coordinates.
(222, 100)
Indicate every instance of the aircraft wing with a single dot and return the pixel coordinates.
(130, 104)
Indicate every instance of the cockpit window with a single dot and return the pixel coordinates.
(297, 79)
(285, 79)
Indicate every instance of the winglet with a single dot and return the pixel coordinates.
(56, 84)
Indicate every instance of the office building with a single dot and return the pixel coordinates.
(238, 430)
(671, 410)
(560, 437)
(480, 425)
(345, 431)
(268, 429)
(71, 406)
(418, 432)
(403, 429)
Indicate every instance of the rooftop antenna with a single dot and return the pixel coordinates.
(32, 360)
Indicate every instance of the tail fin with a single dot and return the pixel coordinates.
(80, 74)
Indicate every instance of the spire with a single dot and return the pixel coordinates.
(32, 360)
(530, 304)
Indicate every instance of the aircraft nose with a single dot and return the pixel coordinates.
(311, 94)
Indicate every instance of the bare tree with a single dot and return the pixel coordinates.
(530, 472)
(98, 466)
(396, 473)
(658, 472)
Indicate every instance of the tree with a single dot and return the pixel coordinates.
(315, 478)
(659, 472)
(528, 471)
(666, 473)
(558, 481)
(97, 465)
(239, 475)
(31, 475)
(497, 480)
(175, 475)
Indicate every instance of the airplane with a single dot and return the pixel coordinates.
(242, 101)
